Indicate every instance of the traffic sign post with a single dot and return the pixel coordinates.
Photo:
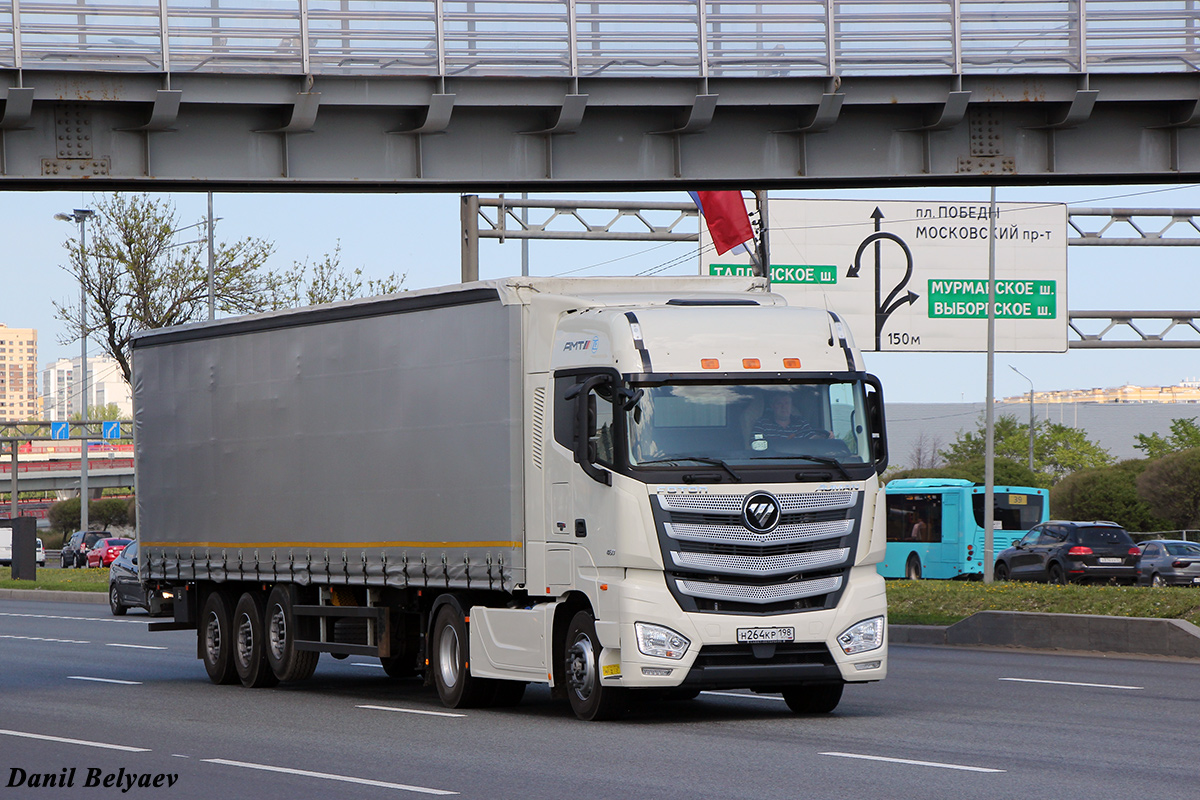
(913, 276)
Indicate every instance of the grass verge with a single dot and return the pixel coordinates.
(947, 602)
(60, 580)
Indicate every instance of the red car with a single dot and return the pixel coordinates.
(104, 551)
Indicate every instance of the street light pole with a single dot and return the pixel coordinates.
(81, 216)
(1026, 377)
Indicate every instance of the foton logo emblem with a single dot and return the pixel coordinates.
(760, 512)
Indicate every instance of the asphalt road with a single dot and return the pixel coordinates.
(82, 690)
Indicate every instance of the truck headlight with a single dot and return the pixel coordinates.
(661, 641)
(862, 636)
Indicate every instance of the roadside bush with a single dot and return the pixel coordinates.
(107, 513)
(1008, 473)
(1109, 493)
(1171, 488)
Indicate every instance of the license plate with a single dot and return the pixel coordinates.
(1111, 560)
(1195, 580)
(766, 635)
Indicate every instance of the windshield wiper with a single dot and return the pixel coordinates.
(832, 462)
(699, 459)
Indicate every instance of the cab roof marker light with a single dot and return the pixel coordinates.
(791, 363)
(710, 363)
(751, 363)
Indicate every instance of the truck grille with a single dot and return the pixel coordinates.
(717, 564)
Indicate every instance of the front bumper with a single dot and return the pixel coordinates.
(716, 660)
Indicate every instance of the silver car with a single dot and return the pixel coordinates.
(1169, 562)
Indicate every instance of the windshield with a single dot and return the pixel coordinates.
(750, 424)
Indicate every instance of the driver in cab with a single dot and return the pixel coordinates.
(779, 423)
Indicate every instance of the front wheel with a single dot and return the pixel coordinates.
(912, 570)
(817, 699)
(590, 699)
(114, 601)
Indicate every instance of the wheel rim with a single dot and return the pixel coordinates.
(581, 666)
(245, 639)
(448, 656)
(277, 632)
(113, 600)
(212, 638)
(1157, 580)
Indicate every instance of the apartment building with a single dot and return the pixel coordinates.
(18, 374)
(106, 384)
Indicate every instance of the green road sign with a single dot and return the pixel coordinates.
(968, 299)
(780, 273)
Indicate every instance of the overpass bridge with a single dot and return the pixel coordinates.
(425, 95)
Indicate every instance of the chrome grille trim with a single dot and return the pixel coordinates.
(736, 534)
(761, 565)
(742, 593)
(791, 503)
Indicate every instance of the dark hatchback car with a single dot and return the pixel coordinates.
(1169, 562)
(1061, 552)
(74, 552)
(126, 591)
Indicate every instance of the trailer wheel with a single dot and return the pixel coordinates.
(456, 686)
(216, 639)
(282, 630)
(819, 698)
(590, 699)
(250, 643)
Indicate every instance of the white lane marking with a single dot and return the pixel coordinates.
(137, 646)
(74, 619)
(102, 680)
(412, 711)
(42, 639)
(745, 696)
(939, 765)
(1073, 683)
(304, 773)
(61, 740)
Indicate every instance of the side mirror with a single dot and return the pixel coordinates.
(879, 448)
(585, 427)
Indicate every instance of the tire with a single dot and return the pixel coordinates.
(1000, 572)
(820, 698)
(1157, 580)
(282, 629)
(249, 650)
(449, 660)
(114, 601)
(216, 639)
(1056, 575)
(590, 699)
(65, 565)
(912, 570)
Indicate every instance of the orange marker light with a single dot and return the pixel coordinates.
(751, 363)
(791, 363)
(604, 587)
(709, 363)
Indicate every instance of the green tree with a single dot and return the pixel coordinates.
(1108, 493)
(137, 276)
(1185, 434)
(109, 512)
(1058, 449)
(64, 515)
(1007, 473)
(1171, 488)
(111, 411)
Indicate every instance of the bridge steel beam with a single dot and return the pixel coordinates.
(263, 132)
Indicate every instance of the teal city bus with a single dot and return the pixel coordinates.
(935, 525)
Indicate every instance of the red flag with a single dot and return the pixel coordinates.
(726, 217)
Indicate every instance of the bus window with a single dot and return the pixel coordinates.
(914, 518)
(1014, 512)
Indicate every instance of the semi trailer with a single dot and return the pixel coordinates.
(582, 483)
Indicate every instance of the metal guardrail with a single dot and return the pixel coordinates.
(573, 38)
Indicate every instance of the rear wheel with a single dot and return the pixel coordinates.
(816, 699)
(912, 570)
(114, 601)
(1001, 571)
(1157, 580)
(250, 643)
(456, 687)
(216, 639)
(590, 699)
(1056, 574)
(282, 630)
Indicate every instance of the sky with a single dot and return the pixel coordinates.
(417, 235)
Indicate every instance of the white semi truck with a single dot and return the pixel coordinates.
(580, 483)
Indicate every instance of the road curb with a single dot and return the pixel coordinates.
(1076, 632)
(93, 598)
